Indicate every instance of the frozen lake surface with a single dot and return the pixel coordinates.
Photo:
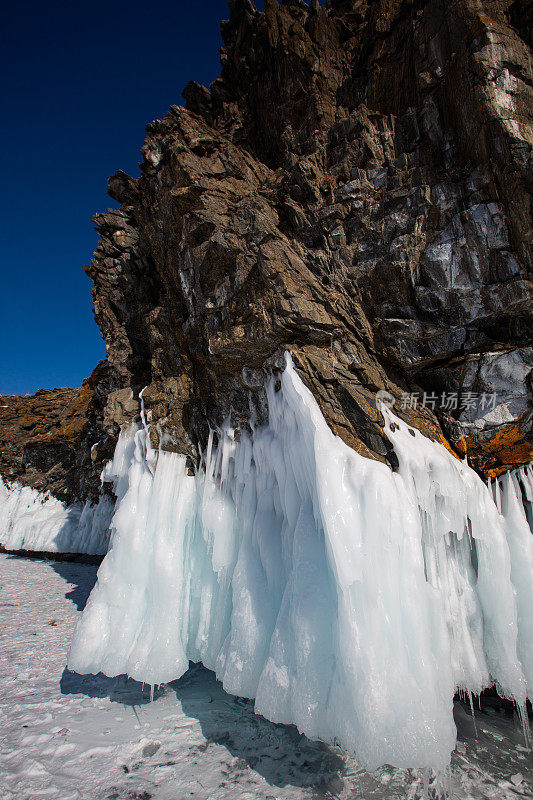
(71, 737)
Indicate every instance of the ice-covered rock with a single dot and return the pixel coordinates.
(344, 597)
(31, 520)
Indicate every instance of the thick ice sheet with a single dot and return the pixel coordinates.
(345, 598)
(30, 520)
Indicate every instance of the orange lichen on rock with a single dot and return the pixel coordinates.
(46, 437)
(507, 449)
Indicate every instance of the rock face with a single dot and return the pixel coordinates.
(46, 438)
(356, 188)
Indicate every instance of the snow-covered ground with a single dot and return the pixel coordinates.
(65, 736)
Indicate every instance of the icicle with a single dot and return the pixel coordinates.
(525, 480)
(143, 414)
(426, 775)
(497, 494)
(471, 700)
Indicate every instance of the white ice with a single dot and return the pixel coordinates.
(344, 597)
(33, 521)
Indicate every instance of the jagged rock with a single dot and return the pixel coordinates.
(355, 187)
(122, 188)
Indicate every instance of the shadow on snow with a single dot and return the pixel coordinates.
(279, 753)
(83, 576)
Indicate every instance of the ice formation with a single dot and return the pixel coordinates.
(344, 597)
(30, 520)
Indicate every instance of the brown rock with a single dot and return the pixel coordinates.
(355, 188)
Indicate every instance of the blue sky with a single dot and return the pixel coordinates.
(81, 80)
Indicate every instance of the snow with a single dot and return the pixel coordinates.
(347, 599)
(79, 737)
(31, 520)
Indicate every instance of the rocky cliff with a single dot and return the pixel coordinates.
(356, 188)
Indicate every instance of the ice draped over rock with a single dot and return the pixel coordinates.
(344, 597)
(38, 522)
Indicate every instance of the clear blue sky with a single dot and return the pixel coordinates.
(81, 80)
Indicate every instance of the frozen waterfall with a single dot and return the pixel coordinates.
(344, 597)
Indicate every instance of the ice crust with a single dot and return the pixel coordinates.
(344, 597)
(31, 520)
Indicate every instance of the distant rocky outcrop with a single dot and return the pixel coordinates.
(46, 438)
(356, 188)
